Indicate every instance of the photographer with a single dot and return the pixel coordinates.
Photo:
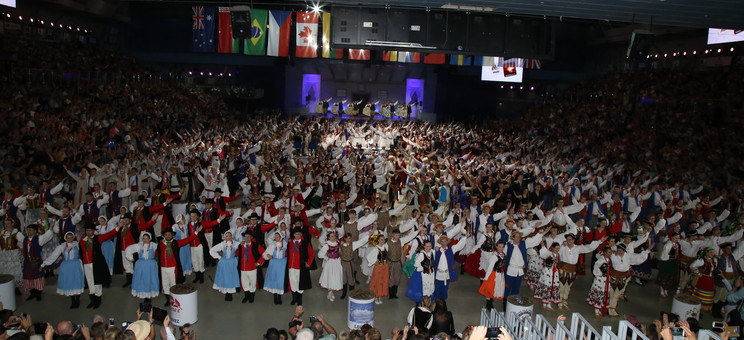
(319, 325)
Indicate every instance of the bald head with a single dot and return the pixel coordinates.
(64, 328)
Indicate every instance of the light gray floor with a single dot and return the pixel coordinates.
(234, 320)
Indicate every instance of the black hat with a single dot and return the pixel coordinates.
(724, 245)
(646, 222)
(194, 211)
(296, 230)
(248, 232)
(141, 198)
(168, 230)
(622, 246)
(209, 200)
(297, 219)
(692, 233)
(570, 235)
(127, 215)
(627, 235)
(90, 226)
(694, 221)
(33, 226)
(218, 190)
(253, 215)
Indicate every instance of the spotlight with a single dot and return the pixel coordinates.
(532, 88)
(665, 55)
(316, 8)
(732, 49)
(220, 74)
(32, 19)
(201, 73)
(229, 74)
(190, 73)
(41, 22)
(684, 53)
(521, 87)
(719, 50)
(20, 18)
(85, 30)
(78, 29)
(707, 51)
(8, 15)
(656, 56)
(648, 56)
(511, 87)
(502, 86)
(210, 74)
(694, 52)
(674, 54)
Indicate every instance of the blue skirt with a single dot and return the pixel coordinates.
(71, 278)
(145, 282)
(415, 287)
(274, 282)
(227, 279)
(184, 254)
(107, 248)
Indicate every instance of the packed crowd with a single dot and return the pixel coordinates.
(157, 182)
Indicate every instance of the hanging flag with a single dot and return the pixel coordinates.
(280, 25)
(434, 58)
(461, 60)
(328, 52)
(359, 54)
(409, 57)
(307, 35)
(203, 28)
(532, 63)
(390, 55)
(256, 44)
(224, 30)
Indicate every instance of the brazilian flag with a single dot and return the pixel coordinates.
(256, 44)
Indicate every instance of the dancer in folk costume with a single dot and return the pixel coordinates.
(169, 259)
(599, 293)
(11, 259)
(226, 279)
(493, 287)
(669, 266)
(703, 283)
(422, 280)
(31, 245)
(275, 253)
(377, 257)
(145, 283)
(331, 277)
(620, 274)
(548, 289)
(96, 270)
(569, 260)
(71, 281)
(250, 260)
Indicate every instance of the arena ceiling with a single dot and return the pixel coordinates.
(685, 13)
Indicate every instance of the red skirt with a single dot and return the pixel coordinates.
(472, 265)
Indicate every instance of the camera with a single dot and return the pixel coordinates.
(294, 323)
(313, 319)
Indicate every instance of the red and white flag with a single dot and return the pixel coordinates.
(307, 35)
(224, 30)
(280, 25)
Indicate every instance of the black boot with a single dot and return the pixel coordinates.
(148, 300)
(343, 291)
(294, 298)
(18, 292)
(246, 297)
(355, 278)
(299, 299)
(196, 277)
(275, 301)
(201, 277)
(31, 294)
(38, 295)
(228, 297)
(76, 302)
(72, 302)
(716, 311)
(92, 301)
(351, 288)
(279, 299)
(129, 281)
(167, 300)
(251, 297)
(98, 302)
(390, 293)
(489, 304)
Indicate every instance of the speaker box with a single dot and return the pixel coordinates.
(240, 17)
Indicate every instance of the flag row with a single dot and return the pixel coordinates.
(271, 34)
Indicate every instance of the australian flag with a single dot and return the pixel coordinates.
(203, 28)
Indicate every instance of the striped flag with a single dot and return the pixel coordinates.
(390, 55)
(280, 25)
(327, 51)
(461, 60)
(409, 57)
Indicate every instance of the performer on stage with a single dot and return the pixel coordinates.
(620, 274)
(250, 260)
(71, 281)
(96, 270)
(170, 260)
(301, 259)
(377, 257)
(599, 293)
(422, 280)
(31, 245)
(331, 277)
(493, 287)
(226, 279)
(276, 255)
(145, 283)
(704, 284)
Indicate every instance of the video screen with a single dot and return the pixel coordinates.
(10, 3)
(509, 74)
(722, 36)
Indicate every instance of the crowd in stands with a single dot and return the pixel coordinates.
(637, 170)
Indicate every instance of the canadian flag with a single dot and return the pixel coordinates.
(307, 35)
